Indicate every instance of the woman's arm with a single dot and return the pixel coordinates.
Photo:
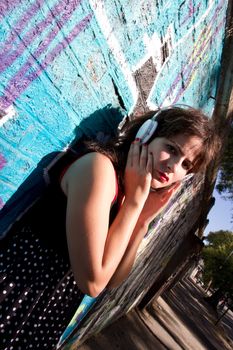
(127, 262)
(96, 250)
(153, 206)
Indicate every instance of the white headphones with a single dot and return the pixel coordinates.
(148, 128)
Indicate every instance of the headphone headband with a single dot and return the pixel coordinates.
(148, 128)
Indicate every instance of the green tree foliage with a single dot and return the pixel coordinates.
(218, 261)
(225, 178)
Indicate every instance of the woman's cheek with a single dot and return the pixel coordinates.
(164, 156)
(182, 175)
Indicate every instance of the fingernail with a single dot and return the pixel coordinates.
(137, 139)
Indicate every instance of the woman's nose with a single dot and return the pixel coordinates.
(170, 166)
(173, 164)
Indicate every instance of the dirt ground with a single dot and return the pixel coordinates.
(179, 320)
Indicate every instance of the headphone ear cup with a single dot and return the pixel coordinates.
(147, 130)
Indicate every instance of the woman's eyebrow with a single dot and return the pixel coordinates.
(178, 146)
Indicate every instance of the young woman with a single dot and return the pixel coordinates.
(100, 204)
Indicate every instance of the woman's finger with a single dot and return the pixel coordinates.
(149, 165)
(130, 155)
(143, 156)
(135, 158)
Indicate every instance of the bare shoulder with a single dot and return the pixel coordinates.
(89, 170)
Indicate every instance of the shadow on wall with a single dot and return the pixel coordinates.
(101, 124)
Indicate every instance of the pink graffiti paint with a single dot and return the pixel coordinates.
(1, 203)
(186, 73)
(21, 80)
(193, 66)
(191, 11)
(7, 56)
(2, 161)
(63, 10)
(7, 6)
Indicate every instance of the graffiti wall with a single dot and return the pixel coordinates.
(62, 60)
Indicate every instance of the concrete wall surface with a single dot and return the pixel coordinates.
(64, 60)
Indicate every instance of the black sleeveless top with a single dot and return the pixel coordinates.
(48, 215)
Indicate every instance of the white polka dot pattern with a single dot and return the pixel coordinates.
(36, 285)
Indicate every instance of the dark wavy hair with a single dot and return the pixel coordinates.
(171, 121)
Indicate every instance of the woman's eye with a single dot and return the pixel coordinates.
(186, 165)
(171, 149)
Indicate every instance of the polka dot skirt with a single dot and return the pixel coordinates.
(38, 293)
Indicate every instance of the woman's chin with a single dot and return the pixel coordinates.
(155, 184)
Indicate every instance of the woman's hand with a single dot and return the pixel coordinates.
(138, 173)
(155, 203)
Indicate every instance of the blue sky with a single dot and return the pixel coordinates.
(220, 215)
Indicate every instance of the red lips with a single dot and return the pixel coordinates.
(163, 177)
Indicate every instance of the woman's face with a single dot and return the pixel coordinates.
(173, 158)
